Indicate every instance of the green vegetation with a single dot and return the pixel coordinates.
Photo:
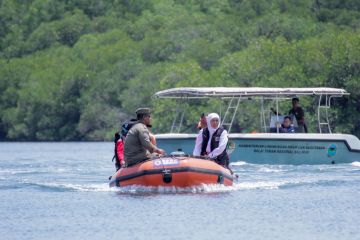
(75, 69)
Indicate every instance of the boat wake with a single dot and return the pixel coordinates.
(204, 188)
(251, 177)
(214, 188)
(137, 189)
(355, 164)
(239, 163)
(65, 187)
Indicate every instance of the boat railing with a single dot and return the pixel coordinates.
(178, 119)
(324, 109)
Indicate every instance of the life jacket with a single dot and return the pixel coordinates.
(119, 144)
(119, 154)
(289, 129)
(223, 158)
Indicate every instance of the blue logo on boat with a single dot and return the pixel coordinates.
(332, 150)
(166, 162)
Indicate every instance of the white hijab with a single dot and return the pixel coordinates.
(208, 121)
(211, 129)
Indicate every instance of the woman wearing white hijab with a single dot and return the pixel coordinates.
(211, 141)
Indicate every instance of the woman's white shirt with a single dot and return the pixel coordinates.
(217, 151)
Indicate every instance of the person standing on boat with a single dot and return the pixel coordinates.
(298, 112)
(212, 140)
(138, 146)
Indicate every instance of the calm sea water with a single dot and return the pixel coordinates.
(60, 191)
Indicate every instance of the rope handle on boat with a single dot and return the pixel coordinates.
(179, 158)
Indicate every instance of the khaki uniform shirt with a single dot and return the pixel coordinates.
(137, 146)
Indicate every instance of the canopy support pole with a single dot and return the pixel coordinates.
(231, 109)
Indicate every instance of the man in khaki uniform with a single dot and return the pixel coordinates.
(138, 147)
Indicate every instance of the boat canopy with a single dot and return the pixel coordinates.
(223, 92)
(235, 94)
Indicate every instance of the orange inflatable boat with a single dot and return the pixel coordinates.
(173, 171)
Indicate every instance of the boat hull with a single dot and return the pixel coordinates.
(273, 148)
(172, 171)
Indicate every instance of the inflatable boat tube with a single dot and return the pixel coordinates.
(173, 171)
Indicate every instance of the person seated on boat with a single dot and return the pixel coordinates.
(119, 150)
(119, 141)
(202, 122)
(298, 112)
(211, 141)
(287, 126)
(138, 146)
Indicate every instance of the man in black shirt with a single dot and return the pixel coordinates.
(299, 115)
